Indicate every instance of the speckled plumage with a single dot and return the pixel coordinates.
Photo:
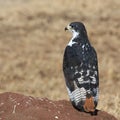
(80, 67)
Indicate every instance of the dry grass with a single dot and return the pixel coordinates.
(32, 42)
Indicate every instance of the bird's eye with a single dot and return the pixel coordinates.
(71, 26)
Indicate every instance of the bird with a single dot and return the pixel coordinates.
(80, 68)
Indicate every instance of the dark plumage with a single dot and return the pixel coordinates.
(80, 67)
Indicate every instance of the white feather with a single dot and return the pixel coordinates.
(75, 34)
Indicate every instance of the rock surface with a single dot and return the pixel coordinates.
(19, 107)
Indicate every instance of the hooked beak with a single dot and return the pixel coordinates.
(66, 28)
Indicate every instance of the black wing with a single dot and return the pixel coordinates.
(80, 69)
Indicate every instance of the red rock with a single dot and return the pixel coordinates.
(19, 107)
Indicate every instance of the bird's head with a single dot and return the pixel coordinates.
(77, 28)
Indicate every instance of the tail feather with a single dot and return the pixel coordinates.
(89, 105)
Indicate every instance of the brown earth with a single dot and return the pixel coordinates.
(19, 107)
(32, 42)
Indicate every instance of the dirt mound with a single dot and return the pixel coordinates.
(19, 107)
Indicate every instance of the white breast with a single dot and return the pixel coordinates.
(75, 34)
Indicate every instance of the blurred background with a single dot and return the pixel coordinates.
(32, 43)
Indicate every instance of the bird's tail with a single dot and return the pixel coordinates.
(89, 105)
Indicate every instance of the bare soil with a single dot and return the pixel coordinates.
(19, 107)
